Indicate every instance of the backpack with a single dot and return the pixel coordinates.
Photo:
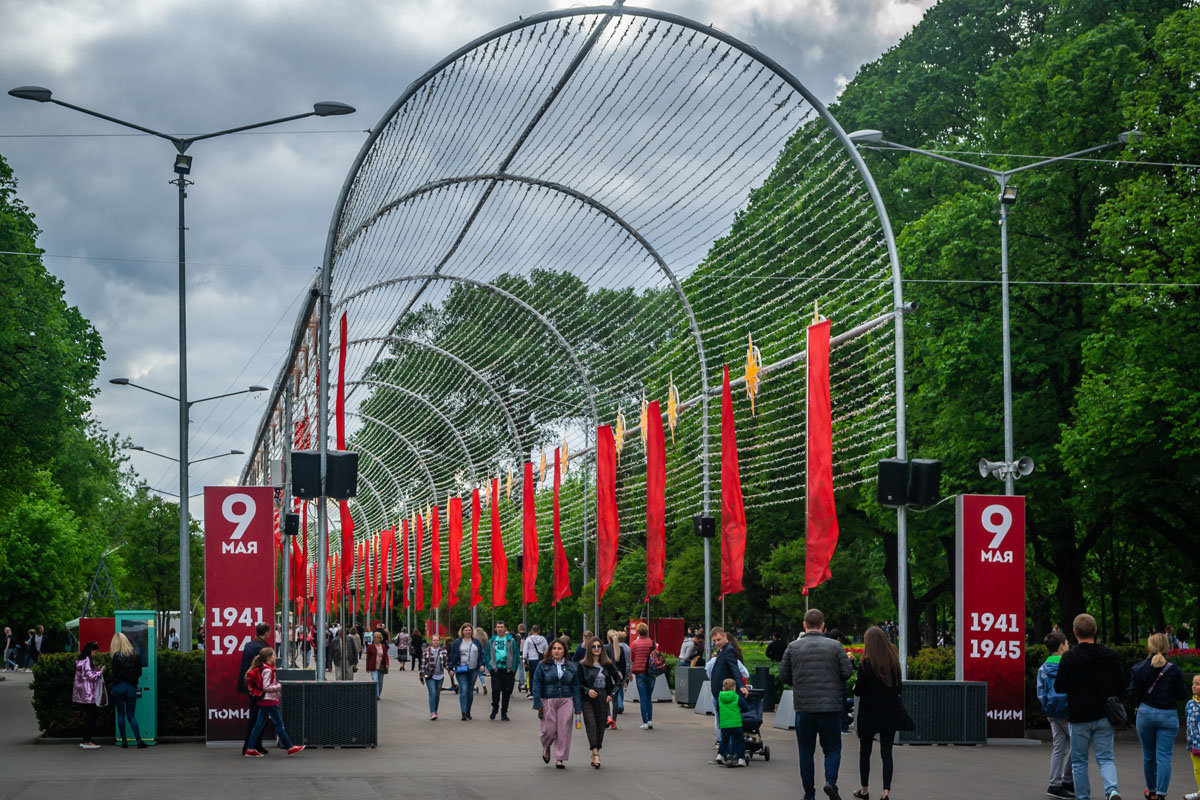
(655, 663)
(1053, 703)
(254, 683)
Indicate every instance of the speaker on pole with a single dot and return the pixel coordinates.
(924, 479)
(704, 526)
(520, 561)
(291, 524)
(341, 474)
(306, 474)
(893, 482)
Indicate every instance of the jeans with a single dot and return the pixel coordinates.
(619, 700)
(304, 652)
(466, 689)
(434, 687)
(1083, 734)
(810, 725)
(124, 700)
(377, 676)
(530, 668)
(9, 662)
(1060, 756)
(733, 744)
(502, 689)
(252, 742)
(645, 687)
(273, 712)
(1157, 729)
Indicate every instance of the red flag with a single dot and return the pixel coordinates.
(562, 570)
(404, 573)
(499, 559)
(529, 541)
(362, 569)
(607, 525)
(435, 558)
(656, 501)
(340, 421)
(476, 575)
(733, 513)
(821, 525)
(419, 588)
(454, 516)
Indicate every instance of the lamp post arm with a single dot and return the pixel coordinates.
(896, 146)
(153, 391)
(173, 139)
(1076, 154)
(189, 140)
(219, 396)
(209, 458)
(151, 452)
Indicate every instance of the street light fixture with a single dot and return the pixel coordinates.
(141, 449)
(1010, 469)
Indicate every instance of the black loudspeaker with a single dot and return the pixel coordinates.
(893, 482)
(306, 474)
(291, 524)
(520, 562)
(924, 478)
(341, 474)
(704, 526)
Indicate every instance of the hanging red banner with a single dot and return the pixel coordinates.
(404, 572)
(454, 517)
(529, 541)
(340, 422)
(733, 513)
(435, 558)
(656, 501)
(562, 570)
(821, 524)
(476, 574)
(607, 526)
(499, 559)
(419, 587)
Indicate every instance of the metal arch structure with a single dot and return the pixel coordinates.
(404, 441)
(447, 354)
(606, 14)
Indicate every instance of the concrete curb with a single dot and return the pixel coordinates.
(112, 741)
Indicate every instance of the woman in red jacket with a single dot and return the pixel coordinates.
(377, 661)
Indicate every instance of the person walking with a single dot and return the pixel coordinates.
(481, 637)
(434, 663)
(598, 681)
(343, 656)
(402, 642)
(520, 635)
(31, 651)
(729, 708)
(817, 668)
(502, 658)
(618, 652)
(249, 652)
(416, 647)
(127, 669)
(88, 692)
(1156, 685)
(1054, 706)
(1088, 675)
(776, 648)
(465, 656)
(532, 651)
(1192, 716)
(641, 649)
(10, 650)
(880, 711)
(556, 696)
(377, 661)
(582, 649)
(261, 683)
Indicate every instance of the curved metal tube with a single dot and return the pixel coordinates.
(410, 445)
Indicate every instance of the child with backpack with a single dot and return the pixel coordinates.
(730, 705)
(1054, 704)
(263, 687)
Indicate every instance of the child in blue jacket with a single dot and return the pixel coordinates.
(1054, 704)
(1193, 734)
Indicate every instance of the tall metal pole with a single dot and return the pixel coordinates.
(586, 437)
(323, 448)
(185, 522)
(1008, 407)
(287, 507)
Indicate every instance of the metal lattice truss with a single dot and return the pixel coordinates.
(576, 211)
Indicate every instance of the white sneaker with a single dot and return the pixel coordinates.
(650, 725)
(741, 762)
(645, 726)
(1192, 796)
(89, 746)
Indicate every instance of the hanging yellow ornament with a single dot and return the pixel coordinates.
(565, 459)
(620, 433)
(542, 466)
(672, 408)
(643, 421)
(508, 485)
(753, 367)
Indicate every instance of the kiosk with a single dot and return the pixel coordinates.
(138, 626)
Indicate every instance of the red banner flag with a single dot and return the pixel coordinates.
(821, 524)
(733, 513)
(435, 558)
(499, 559)
(607, 525)
(529, 541)
(476, 575)
(454, 516)
(404, 572)
(340, 422)
(656, 501)
(562, 570)
(419, 587)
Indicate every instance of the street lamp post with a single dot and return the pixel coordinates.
(185, 586)
(1011, 468)
(182, 166)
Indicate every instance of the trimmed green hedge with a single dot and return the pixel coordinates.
(180, 695)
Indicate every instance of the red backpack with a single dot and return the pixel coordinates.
(254, 684)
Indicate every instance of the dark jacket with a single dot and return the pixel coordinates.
(1088, 674)
(127, 669)
(248, 653)
(618, 659)
(726, 666)
(589, 675)
(334, 654)
(1167, 691)
(373, 658)
(816, 667)
(879, 708)
(547, 685)
(776, 649)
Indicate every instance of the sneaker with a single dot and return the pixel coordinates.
(650, 725)
(831, 792)
(1059, 791)
(492, 717)
(253, 754)
(432, 716)
(718, 761)
(296, 748)
(741, 762)
(89, 745)
(1114, 795)
(645, 726)
(504, 718)
(1192, 796)
(716, 744)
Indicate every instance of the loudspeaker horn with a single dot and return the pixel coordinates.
(1024, 465)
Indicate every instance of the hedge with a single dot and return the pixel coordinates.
(180, 695)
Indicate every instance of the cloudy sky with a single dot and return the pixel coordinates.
(261, 204)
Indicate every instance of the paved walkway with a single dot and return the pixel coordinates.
(490, 760)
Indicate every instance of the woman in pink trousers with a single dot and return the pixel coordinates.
(556, 698)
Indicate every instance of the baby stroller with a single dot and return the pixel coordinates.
(752, 720)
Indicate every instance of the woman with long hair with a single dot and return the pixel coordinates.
(880, 711)
(556, 697)
(261, 683)
(618, 654)
(434, 663)
(127, 669)
(1156, 686)
(481, 637)
(598, 681)
(465, 657)
(377, 660)
(88, 691)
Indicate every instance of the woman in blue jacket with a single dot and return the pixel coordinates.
(466, 658)
(556, 698)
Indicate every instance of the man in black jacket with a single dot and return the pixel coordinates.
(1088, 675)
(248, 653)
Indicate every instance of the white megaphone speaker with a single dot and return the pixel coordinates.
(994, 468)
(1024, 466)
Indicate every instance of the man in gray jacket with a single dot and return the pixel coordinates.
(816, 667)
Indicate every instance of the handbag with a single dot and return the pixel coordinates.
(102, 697)
(1114, 709)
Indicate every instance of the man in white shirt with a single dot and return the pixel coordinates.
(532, 651)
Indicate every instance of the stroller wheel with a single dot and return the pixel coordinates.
(766, 753)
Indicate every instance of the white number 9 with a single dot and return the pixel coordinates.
(243, 519)
(999, 529)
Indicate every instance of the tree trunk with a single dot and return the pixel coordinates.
(1070, 594)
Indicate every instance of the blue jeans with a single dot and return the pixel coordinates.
(377, 676)
(304, 653)
(1157, 728)
(434, 687)
(466, 689)
(1083, 734)
(645, 687)
(9, 663)
(276, 718)
(124, 700)
(619, 700)
(810, 725)
(733, 743)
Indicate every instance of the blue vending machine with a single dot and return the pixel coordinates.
(138, 626)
